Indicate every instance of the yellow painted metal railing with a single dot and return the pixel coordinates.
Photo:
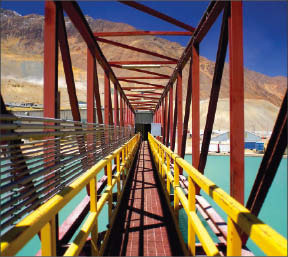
(43, 219)
(240, 219)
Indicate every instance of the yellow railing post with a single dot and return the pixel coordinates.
(163, 162)
(234, 242)
(192, 208)
(109, 184)
(168, 170)
(48, 238)
(176, 184)
(160, 160)
(93, 208)
(118, 176)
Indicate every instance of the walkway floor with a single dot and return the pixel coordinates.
(144, 226)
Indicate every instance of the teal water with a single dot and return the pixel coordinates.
(274, 210)
(34, 245)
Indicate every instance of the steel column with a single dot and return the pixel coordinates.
(90, 88)
(173, 131)
(67, 65)
(166, 121)
(116, 107)
(215, 89)
(179, 112)
(163, 121)
(187, 111)
(121, 112)
(106, 99)
(195, 106)
(50, 60)
(236, 101)
(171, 114)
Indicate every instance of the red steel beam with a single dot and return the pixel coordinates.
(165, 120)
(162, 77)
(142, 83)
(195, 107)
(76, 16)
(173, 131)
(142, 33)
(270, 162)
(141, 62)
(187, 111)
(168, 124)
(141, 70)
(143, 96)
(97, 93)
(106, 99)
(236, 101)
(157, 14)
(116, 107)
(67, 65)
(215, 89)
(139, 88)
(133, 48)
(90, 87)
(50, 60)
(171, 113)
(179, 113)
(121, 112)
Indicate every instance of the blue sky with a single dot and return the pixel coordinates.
(264, 26)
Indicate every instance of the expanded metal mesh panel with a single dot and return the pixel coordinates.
(39, 156)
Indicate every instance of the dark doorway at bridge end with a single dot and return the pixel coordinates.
(143, 120)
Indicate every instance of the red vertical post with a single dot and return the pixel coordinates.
(166, 120)
(90, 88)
(106, 98)
(50, 60)
(195, 106)
(171, 113)
(121, 112)
(116, 107)
(163, 121)
(179, 112)
(235, 24)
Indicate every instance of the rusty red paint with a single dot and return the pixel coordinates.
(141, 62)
(141, 71)
(195, 106)
(236, 101)
(67, 65)
(136, 49)
(142, 33)
(157, 14)
(90, 88)
(179, 112)
(143, 83)
(171, 113)
(106, 98)
(116, 107)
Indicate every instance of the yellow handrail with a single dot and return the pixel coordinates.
(43, 219)
(240, 219)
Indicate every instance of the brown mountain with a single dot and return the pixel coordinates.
(22, 50)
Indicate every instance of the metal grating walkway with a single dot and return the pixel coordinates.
(144, 226)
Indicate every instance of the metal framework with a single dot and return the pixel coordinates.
(154, 96)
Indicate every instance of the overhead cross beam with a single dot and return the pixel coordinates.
(140, 70)
(157, 14)
(143, 33)
(142, 83)
(141, 62)
(136, 49)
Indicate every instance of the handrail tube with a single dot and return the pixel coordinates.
(270, 241)
(17, 237)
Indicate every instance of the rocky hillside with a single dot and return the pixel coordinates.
(22, 61)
